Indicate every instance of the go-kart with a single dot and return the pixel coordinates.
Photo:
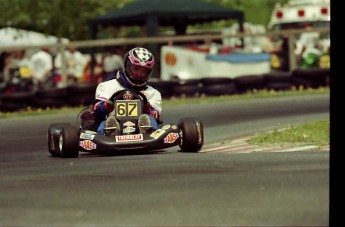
(65, 140)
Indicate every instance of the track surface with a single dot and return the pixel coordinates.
(168, 188)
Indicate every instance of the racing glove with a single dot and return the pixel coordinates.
(148, 109)
(108, 105)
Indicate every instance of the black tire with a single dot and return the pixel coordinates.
(187, 90)
(216, 81)
(82, 88)
(249, 83)
(164, 87)
(309, 82)
(279, 86)
(19, 97)
(11, 106)
(313, 77)
(311, 72)
(69, 142)
(189, 135)
(52, 93)
(278, 77)
(81, 99)
(219, 89)
(50, 138)
(49, 102)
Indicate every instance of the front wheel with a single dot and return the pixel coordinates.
(192, 135)
(69, 142)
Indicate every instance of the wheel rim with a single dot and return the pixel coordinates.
(60, 142)
(181, 136)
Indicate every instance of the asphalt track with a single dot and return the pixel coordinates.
(169, 188)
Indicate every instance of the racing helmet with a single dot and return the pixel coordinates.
(138, 66)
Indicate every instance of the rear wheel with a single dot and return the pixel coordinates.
(191, 133)
(68, 142)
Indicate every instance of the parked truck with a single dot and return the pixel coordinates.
(311, 48)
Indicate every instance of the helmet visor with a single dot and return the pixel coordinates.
(138, 74)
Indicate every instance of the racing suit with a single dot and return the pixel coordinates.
(107, 88)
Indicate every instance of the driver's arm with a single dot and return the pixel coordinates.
(101, 105)
(154, 106)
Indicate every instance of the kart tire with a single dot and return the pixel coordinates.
(189, 135)
(50, 138)
(68, 142)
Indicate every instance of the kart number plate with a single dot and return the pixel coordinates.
(127, 109)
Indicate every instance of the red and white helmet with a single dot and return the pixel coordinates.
(138, 66)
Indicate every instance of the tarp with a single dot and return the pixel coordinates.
(167, 13)
(158, 13)
(240, 57)
(18, 37)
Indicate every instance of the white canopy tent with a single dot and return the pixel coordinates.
(18, 37)
(14, 37)
(29, 41)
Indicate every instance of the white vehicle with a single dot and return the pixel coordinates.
(296, 13)
(304, 14)
(217, 58)
(184, 63)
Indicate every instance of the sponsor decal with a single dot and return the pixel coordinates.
(157, 133)
(174, 127)
(128, 123)
(128, 130)
(165, 127)
(171, 137)
(91, 132)
(127, 96)
(128, 138)
(170, 58)
(87, 145)
(86, 136)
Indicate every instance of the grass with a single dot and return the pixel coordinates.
(312, 133)
(260, 94)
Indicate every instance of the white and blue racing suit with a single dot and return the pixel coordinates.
(107, 88)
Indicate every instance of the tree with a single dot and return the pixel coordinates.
(62, 18)
(69, 18)
(255, 11)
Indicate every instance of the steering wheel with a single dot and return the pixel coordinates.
(129, 92)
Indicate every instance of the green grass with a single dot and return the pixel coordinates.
(260, 94)
(312, 133)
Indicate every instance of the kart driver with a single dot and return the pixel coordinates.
(138, 66)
